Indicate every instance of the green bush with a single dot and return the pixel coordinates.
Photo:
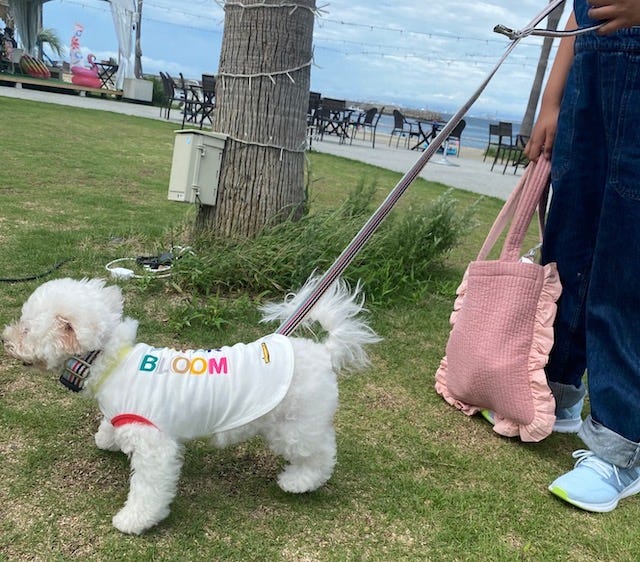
(395, 263)
(158, 96)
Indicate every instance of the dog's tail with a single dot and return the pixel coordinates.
(338, 313)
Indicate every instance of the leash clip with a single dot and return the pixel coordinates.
(504, 30)
(525, 32)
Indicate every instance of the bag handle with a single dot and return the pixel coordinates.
(530, 199)
(503, 218)
(531, 190)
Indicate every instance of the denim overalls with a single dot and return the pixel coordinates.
(593, 233)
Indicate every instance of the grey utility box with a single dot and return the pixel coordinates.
(195, 169)
(140, 90)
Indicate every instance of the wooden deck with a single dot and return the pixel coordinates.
(52, 85)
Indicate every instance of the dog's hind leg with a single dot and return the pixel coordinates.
(301, 429)
(156, 461)
(310, 462)
(105, 438)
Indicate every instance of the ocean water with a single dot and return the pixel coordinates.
(475, 134)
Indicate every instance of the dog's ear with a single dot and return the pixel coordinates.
(67, 336)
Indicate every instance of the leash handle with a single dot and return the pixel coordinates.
(519, 34)
(530, 29)
(365, 233)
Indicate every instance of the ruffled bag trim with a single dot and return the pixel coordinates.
(543, 402)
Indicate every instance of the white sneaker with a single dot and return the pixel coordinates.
(595, 484)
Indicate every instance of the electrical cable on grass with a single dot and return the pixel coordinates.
(153, 267)
(55, 267)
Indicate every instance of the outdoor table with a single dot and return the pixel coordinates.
(427, 131)
(106, 73)
(335, 122)
(199, 104)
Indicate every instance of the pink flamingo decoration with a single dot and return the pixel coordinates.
(86, 76)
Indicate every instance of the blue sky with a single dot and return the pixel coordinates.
(415, 53)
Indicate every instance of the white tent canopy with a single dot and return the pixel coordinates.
(123, 13)
(28, 20)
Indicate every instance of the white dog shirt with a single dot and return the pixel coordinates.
(196, 393)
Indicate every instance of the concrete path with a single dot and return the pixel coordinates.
(469, 172)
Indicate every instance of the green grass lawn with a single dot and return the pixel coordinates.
(416, 480)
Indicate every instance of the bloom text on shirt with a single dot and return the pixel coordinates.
(182, 364)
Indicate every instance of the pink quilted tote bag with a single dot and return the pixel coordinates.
(502, 325)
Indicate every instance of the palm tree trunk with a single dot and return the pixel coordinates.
(536, 89)
(262, 94)
(137, 67)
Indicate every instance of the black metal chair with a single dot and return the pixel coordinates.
(361, 120)
(208, 98)
(314, 104)
(516, 156)
(312, 115)
(169, 94)
(370, 122)
(505, 142)
(494, 135)
(403, 128)
(192, 103)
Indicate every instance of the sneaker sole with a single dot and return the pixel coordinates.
(596, 507)
(560, 426)
(488, 415)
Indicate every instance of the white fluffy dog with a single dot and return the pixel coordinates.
(154, 400)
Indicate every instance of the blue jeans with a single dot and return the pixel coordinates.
(593, 233)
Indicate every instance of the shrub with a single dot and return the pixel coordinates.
(158, 95)
(398, 259)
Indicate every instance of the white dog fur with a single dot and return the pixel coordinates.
(64, 318)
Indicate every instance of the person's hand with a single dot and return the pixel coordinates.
(618, 14)
(543, 134)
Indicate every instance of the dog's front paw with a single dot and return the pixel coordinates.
(105, 437)
(106, 441)
(131, 522)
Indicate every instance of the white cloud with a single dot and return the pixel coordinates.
(420, 53)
